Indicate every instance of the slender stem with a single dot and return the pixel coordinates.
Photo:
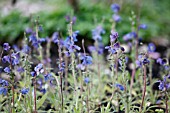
(144, 88)
(166, 102)
(61, 76)
(1, 55)
(66, 71)
(136, 44)
(150, 71)
(87, 99)
(132, 79)
(12, 74)
(35, 103)
(116, 70)
(13, 98)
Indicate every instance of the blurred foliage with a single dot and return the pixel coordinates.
(91, 13)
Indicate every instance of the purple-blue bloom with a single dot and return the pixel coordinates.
(129, 36)
(87, 60)
(55, 37)
(47, 76)
(86, 80)
(20, 69)
(15, 58)
(145, 61)
(120, 87)
(143, 26)
(116, 18)
(28, 30)
(33, 74)
(25, 91)
(3, 82)
(6, 46)
(111, 50)
(7, 70)
(151, 47)
(39, 69)
(164, 84)
(68, 19)
(113, 36)
(80, 66)
(96, 33)
(6, 59)
(33, 40)
(138, 63)
(26, 49)
(3, 91)
(161, 61)
(115, 8)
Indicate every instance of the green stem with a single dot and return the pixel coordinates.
(144, 89)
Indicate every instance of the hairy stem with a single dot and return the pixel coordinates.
(166, 102)
(144, 88)
(61, 76)
(35, 103)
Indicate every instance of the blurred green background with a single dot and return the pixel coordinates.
(16, 16)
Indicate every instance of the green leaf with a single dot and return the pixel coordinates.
(41, 101)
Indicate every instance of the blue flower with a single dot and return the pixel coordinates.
(120, 87)
(129, 36)
(26, 49)
(6, 59)
(33, 74)
(116, 45)
(151, 47)
(161, 61)
(99, 50)
(55, 37)
(16, 48)
(142, 60)
(28, 30)
(25, 91)
(113, 36)
(3, 91)
(143, 26)
(61, 67)
(7, 70)
(20, 69)
(86, 80)
(111, 50)
(43, 90)
(15, 58)
(164, 84)
(68, 19)
(47, 76)
(74, 35)
(86, 60)
(71, 48)
(80, 66)
(39, 69)
(145, 61)
(116, 18)
(6, 46)
(138, 63)
(33, 40)
(115, 8)
(96, 33)
(3, 82)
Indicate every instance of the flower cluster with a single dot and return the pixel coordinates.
(3, 86)
(142, 60)
(164, 84)
(116, 8)
(115, 45)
